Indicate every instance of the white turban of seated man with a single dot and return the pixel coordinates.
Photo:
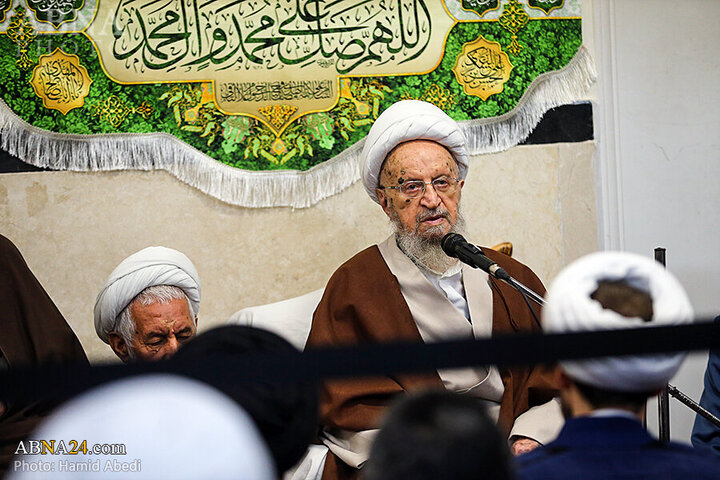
(405, 121)
(571, 308)
(149, 304)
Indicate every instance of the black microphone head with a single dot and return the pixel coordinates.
(450, 242)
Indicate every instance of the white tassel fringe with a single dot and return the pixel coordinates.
(277, 188)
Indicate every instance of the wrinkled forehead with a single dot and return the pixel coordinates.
(419, 153)
(172, 310)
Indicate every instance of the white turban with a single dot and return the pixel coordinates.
(404, 121)
(170, 427)
(569, 308)
(149, 267)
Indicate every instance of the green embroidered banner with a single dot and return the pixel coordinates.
(215, 91)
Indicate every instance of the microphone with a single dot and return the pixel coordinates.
(454, 245)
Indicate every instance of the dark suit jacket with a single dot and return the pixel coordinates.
(705, 435)
(609, 448)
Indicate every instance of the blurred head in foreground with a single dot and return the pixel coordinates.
(148, 427)
(438, 435)
(286, 413)
(608, 291)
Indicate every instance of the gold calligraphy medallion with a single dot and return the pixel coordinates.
(61, 81)
(482, 68)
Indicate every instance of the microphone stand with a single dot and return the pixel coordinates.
(531, 294)
(664, 395)
(524, 292)
(692, 405)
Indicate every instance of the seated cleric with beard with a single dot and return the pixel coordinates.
(407, 289)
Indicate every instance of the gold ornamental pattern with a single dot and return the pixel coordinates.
(22, 33)
(513, 19)
(278, 114)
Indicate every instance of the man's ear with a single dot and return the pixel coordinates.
(118, 345)
(562, 378)
(384, 200)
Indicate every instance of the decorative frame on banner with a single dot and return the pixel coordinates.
(267, 105)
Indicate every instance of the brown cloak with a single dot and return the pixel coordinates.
(363, 303)
(33, 333)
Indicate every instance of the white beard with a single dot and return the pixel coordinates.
(426, 251)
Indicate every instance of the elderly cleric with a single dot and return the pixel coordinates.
(148, 307)
(415, 163)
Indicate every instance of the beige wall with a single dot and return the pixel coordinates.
(74, 228)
